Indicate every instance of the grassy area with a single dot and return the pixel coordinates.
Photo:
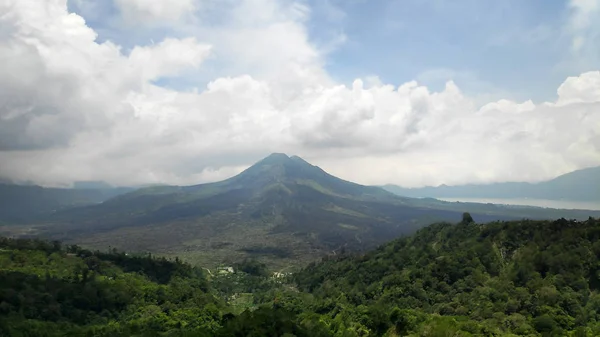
(241, 302)
(340, 210)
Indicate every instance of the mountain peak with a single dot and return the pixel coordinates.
(274, 167)
(279, 168)
(275, 158)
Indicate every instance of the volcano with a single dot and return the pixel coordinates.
(282, 210)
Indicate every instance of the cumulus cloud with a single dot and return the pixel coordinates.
(168, 58)
(72, 108)
(57, 81)
(581, 89)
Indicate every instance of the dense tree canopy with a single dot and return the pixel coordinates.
(523, 278)
(530, 278)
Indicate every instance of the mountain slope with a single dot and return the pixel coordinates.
(580, 185)
(526, 278)
(20, 203)
(282, 209)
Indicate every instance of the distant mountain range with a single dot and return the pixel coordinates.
(281, 210)
(23, 203)
(580, 185)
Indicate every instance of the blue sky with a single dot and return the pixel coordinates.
(510, 49)
(484, 41)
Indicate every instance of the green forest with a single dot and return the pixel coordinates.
(517, 278)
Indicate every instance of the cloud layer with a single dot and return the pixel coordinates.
(73, 108)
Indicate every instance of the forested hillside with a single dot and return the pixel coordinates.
(47, 290)
(519, 278)
(50, 290)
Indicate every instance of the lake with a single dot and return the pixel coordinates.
(564, 204)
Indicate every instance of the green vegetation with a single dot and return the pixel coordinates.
(48, 290)
(499, 279)
(519, 278)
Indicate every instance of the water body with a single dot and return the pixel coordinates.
(562, 204)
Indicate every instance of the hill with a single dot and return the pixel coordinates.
(282, 210)
(23, 203)
(580, 185)
(500, 279)
(50, 290)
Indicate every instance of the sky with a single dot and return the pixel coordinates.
(411, 92)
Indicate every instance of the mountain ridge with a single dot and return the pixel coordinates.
(22, 203)
(579, 185)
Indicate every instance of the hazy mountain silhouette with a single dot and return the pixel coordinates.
(19, 203)
(580, 185)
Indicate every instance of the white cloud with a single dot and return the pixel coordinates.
(75, 109)
(168, 58)
(57, 81)
(581, 89)
(470, 83)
